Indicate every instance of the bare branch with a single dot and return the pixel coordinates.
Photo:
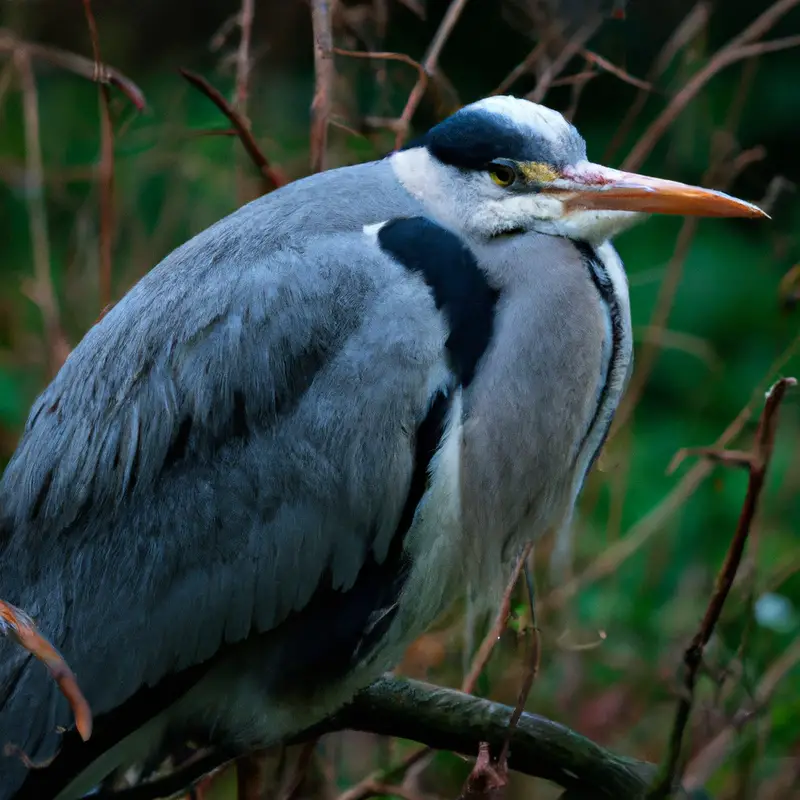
(557, 66)
(273, 177)
(689, 27)
(737, 49)
(693, 657)
(323, 68)
(532, 669)
(41, 290)
(72, 62)
(402, 57)
(429, 64)
(613, 69)
(362, 789)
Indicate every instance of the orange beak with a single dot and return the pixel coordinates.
(594, 187)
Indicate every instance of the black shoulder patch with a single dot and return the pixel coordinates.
(458, 284)
(471, 138)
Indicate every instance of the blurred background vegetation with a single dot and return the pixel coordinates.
(713, 309)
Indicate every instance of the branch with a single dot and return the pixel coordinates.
(446, 719)
(686, 31)
(737, 49)
(323, 70)
(363, 788)
(41, 289)
(693, 657)
(429, 64)
(386, 56)
(72, 62)
(273, 177)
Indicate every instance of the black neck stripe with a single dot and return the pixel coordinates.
(459, 286)
(605, 288)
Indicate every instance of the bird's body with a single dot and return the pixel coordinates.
(277, 459)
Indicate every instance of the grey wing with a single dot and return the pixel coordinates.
(223, 443)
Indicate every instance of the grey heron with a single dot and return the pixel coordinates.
(286, 449)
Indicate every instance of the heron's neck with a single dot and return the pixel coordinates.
(540, 407)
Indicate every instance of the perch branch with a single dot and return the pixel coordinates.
(17, 625)
(273, 177)
(758, 462)
(446, 719)
(363, 788)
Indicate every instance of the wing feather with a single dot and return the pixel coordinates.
(223, 449)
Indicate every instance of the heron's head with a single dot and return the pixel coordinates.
(504, 165)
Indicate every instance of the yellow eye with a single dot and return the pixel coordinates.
(502, 174)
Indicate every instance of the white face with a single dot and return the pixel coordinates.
(470, 199)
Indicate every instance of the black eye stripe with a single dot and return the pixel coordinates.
(472, 138)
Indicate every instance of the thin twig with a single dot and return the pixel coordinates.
(713, 754)
(17, 625)
(72, 62)
(532, 669)
(522, 68)
(273, 177)
(686, 31)
(737, 49)
(653, 522)
(362, 789)
(429, 64)
(385, 56)
(106, 168)
(613, 69)
(323, 70)
(693, 657)
(41, 290)
(565, 55)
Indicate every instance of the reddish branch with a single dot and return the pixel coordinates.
(323, 70)
(756, 462)
(17, 625)
(273, 177)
